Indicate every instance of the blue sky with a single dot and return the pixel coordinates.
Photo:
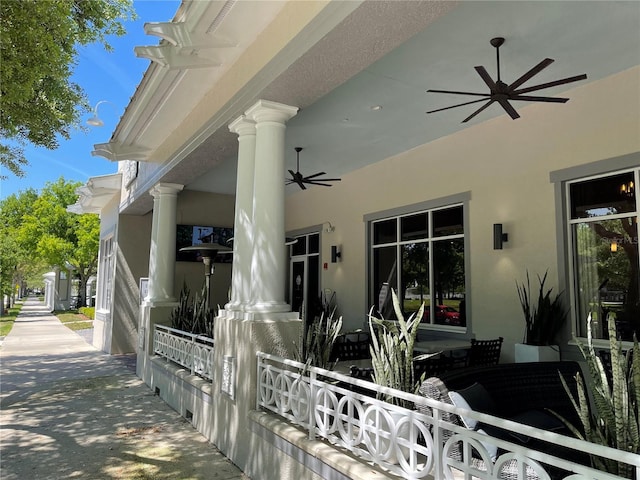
(111, 76)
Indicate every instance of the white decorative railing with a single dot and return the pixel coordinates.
(193, 352)
(407, 442)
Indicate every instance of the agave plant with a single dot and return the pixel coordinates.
(392, 351)
(614, 420)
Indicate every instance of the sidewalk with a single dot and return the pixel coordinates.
(69, 411)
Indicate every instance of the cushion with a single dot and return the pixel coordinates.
(459, 401)
(492, 449)
(475, 398)
(539, 419)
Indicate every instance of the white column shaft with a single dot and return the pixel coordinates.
(243, 225)
(162, 256)
(269, 261)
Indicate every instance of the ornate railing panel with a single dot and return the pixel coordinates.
(409, 443)
(193, 352)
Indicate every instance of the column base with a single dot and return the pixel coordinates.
(160, 302)
(267, 307)
(243, 316)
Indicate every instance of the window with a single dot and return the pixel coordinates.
(603, 234)
(105, 273)
(420, 255)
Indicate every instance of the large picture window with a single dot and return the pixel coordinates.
(603, 231)
(420, 255)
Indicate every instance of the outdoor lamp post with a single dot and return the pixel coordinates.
(208, 252)
(96, 121)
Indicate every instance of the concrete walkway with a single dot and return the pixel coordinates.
(69, 411)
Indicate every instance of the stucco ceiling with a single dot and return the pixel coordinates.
(430, 45)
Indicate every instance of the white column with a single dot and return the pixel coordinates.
(269, 261)
(162, 256)
(243, 225)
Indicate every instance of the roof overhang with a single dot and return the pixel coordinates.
(96, 194)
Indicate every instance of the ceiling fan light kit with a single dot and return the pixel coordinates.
(500, 92)
(301, 180)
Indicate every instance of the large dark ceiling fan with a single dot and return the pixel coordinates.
(297, 177)
(502, 93)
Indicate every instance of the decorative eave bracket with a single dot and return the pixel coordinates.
(116, 152)
(183, 49)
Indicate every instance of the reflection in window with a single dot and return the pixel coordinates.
(604, 235)
(429, 248)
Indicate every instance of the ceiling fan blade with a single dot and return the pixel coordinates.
(487, 79)
(534, 71)
(458, 105)
(478, 111)
(293, 175)
(461, 93)
(301, 185)
(528, 98)
(508, 108)
(315, 175)
(327, 180)
(550, 84)
(320, 183)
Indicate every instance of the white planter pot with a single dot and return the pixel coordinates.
(537, 353)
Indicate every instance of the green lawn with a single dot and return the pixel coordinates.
(6, 321)
(74, 320)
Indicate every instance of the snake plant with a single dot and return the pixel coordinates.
(544, 316)
(614, 419)
(392, 351)
(319, 340)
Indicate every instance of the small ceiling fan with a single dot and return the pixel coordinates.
(297, 177)
(502, 93)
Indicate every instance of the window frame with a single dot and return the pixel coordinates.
(562, 179)
(462, 200)
(106, 272)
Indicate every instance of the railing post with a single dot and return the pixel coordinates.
(437, 444)
(192, 354)
(312, 405)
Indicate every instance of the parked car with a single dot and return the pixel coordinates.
(447, 315)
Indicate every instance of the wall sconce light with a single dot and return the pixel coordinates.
(335, 254)
(614, 245)
(330, 228)
(498, 237)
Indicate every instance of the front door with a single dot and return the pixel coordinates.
(304, 276)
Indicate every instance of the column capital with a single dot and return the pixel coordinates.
(243, 126)
(267, 111)
(160, 189)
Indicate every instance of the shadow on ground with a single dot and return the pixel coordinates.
(110, 427)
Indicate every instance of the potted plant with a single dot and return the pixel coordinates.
(544, 318)
(613, 420)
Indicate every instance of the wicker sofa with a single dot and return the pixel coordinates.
(523, 392)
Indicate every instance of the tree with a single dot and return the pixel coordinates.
(61, 238)
(14, 262)
(38, 49)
